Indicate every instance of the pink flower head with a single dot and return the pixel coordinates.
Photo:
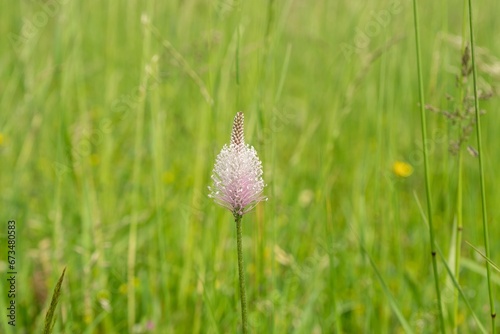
(237, 174)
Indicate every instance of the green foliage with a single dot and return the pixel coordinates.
(111, 115)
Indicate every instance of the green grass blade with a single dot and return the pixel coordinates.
(478, 269)
(49, 317)
(460, 291)
(493, 265)
(392, 302)
(481, 169)
(426, 167)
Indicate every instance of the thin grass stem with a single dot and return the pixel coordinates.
(459, 209)
(426, 168)
(458, 238)
(481, 170)
(136, 172)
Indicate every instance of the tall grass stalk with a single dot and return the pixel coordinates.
(136, 172)
(332, 282)
(426, 167)
(458, 237)
(459, 213)
(481, 170)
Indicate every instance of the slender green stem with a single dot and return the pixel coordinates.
(243, 296)
(458, 240)
(481, 172)
(459, 226)
(426, 168)
(136, 172)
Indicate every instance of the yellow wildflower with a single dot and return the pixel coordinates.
(402, 169)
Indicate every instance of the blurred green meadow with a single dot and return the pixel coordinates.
(112, 114)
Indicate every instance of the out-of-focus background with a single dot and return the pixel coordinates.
(112, 114)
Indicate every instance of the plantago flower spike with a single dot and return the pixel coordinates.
(237, 174)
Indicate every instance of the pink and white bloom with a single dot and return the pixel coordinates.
(237, 174)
